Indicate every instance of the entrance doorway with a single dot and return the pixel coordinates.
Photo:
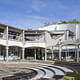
(34, 53)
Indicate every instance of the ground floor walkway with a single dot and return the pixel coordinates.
(9, 53)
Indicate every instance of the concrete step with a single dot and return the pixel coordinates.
(40, 73)
(57, 71)
(50, 72)
(65, 69)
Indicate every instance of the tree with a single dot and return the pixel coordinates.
(74, 21)
(63, 22)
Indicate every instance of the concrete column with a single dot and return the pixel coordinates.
(60, 53)
(23, 53)
(20, 53)
(0, 50)
(23, 37)
(77, 53)
(6, 53)
(66, 55)
(35, 54)
(7, 43)
(52, 54)
(45, 54)
(67, 35)
(7, 34)
(23, 45)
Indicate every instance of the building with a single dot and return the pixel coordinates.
(54, 42)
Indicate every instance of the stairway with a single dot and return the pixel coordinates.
(50, 72)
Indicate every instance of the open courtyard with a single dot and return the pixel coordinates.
(35, 70)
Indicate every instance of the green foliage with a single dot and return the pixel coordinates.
(74, 21)
(67, 78)
(77, 76)
(71, 76)
(63, 22)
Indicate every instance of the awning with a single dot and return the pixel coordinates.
(66, 50)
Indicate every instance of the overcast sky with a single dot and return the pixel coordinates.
(34, 13)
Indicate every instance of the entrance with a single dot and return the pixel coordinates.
(34, 53)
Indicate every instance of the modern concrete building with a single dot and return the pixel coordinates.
(54, 42)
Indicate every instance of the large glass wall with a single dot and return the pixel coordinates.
(14, 35)
(30, 53)
(2, 53)
(15, 53)
(1, 33)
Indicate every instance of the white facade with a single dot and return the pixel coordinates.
(45, 38)
(72, 27)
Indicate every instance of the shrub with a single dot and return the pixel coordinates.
(71, 76)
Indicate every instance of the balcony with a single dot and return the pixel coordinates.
(14, 37)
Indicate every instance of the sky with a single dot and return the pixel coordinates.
(32, 14)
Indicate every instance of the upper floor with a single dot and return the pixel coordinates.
(20, 37)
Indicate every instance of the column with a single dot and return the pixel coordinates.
(35, 53)
(67, 35)
(23, 53)
(59, 53)
(0, 50)
(45, 54)
(6, 53)
(66, 55)
(23, 49)
(77, 53)
(52, 53)
(23, 37)
(7, 43)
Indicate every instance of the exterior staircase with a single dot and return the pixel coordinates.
(50, 72)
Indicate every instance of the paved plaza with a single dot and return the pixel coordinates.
(32, 70)
(20, 70)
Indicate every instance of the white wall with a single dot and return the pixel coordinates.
(71, 27)
(34, 44)
(14, 43)
(3, 42)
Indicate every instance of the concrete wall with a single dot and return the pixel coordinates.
(15, 43)
(3, 42)
(35, 44)
(71, 27)
(19, 43)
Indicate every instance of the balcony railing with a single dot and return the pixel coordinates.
(13, 37)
